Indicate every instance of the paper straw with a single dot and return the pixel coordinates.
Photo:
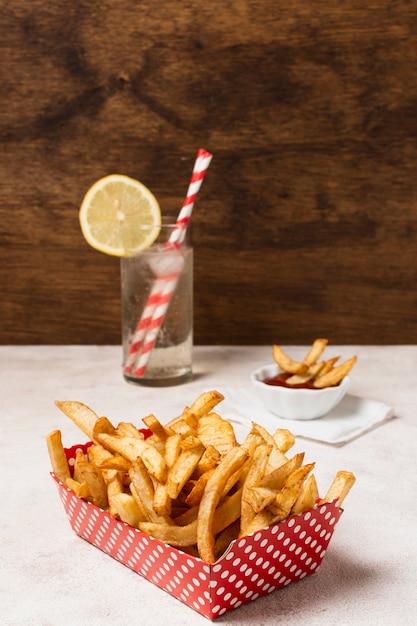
(142, 327)
(163, 288)
(154, 326)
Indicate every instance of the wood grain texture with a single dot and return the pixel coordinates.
(306, 224)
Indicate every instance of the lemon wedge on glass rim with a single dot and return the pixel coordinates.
(119, 216)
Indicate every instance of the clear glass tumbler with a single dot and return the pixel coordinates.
(157, 311)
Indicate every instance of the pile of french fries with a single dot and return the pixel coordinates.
(320, 374)
(190, 483)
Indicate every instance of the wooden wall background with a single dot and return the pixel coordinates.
(306, 224)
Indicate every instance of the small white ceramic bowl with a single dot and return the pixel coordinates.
(296, 404)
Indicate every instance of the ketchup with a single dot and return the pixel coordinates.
(280, 381)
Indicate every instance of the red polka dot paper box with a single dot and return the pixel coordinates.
(253, 566)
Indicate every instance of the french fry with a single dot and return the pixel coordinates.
(133, 448)
(225, 538)
(182, 469)
(286, 363)
(307, 496)
(102, 425)
(335, 375)
(312, 372)
(315, 351)
(340, 487)
(213, 430)
(276, 479)
(230, 463)
(205, 403)
(253, 479)
(80, 489)
(193, 499)
(57, 456)
(91, 475)
(155, 427)
(328, 365)
(285, 499)
(276, 457)
(115, 462)
(172, 449)
(126, 429)
(82, 416)
(162, 503)
(143, 491)
(284, 439)
(257, 499)
(127, 509)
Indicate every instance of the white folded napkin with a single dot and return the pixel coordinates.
(352, 417)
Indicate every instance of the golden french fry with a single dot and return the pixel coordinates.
(193, 499)
(276, 479)
(263, 519)
(284, 500)
(133, 448)
(126, 429)
(213, 430)
(328, 365)
(142, 489)
(80, 489)
(252, 440)
(208, 461)
(127, 509)
(114, 486)
(225, 538)
(206, 403)
(340, 487)
(253, 478)
(181, 427)
(257, 498)
(57, 456)
(307, 497)
(98, 455)
(186, 517)
(276, 457)
(315, 351)
(155, 426)
(103, 425)
(162, 503)
(174, 535)
(172, 449)
(286, 363)
(93, 477)
(335, 375)
(201, 406)
(301, 379)
(182, 469)
(284, 439)
(80, 414)
(229, 464)
(115, 462)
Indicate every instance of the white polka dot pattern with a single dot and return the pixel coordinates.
(253, 566)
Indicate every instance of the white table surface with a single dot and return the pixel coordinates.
(49, 576)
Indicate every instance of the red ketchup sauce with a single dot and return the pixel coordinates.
(280, 381)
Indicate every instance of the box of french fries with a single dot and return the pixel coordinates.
(214, 522)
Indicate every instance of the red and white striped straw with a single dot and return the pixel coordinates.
(155, 324)
(142, 327)
(163, 288)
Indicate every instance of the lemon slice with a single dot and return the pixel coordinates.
(120, 216)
